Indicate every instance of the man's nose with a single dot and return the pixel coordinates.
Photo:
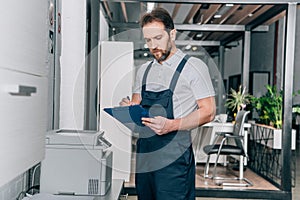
(153, 44)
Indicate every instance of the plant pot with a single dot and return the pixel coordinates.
(270, 136)
(298, 120)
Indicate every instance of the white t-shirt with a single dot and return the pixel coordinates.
(194, 82)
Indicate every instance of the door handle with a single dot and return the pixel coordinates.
(22, 90)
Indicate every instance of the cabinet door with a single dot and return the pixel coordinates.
(23, 36)
(23, 117)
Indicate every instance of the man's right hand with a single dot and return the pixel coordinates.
(125, 102)
(136, 99)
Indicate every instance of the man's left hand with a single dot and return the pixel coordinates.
(160, 125)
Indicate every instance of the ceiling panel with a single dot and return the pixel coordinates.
(125, 15)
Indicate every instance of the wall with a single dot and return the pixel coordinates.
(72, 64)
(262, 51)
(233, 61)
(262, 57)
(91, 65)
(261, 54)
(297, 60)
(104, 29)
(280, 53)
(296, 77)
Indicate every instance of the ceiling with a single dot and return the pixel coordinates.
(206, 24)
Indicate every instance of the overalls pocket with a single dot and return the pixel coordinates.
(157, 103)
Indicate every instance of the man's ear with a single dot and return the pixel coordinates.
(173, 34)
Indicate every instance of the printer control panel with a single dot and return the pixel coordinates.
(102, 141)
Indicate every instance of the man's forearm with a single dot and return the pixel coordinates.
(193, 120)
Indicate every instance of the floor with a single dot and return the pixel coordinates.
(258, 182)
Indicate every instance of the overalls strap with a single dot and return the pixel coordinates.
(145, 77)
(177, 73)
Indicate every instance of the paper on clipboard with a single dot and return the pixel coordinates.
(130, 116)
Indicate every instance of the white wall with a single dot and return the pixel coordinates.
(104, 29)
(72, 64)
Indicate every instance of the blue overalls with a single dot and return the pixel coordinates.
(165, 168)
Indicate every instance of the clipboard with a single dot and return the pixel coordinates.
(130, 116)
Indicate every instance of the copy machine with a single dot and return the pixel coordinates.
(76, 163)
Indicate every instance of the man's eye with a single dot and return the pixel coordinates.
(148, 40)
(158, 37)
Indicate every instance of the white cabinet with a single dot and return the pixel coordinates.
(23, 36)
(23, 122)
(23, 85)
(116, 83)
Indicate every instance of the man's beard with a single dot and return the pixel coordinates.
(164, 55)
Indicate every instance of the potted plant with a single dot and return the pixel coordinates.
(269, 110)
(238, 100)
(269, 107)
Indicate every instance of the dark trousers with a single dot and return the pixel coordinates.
(173, 182)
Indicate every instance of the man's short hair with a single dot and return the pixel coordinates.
(158, 15)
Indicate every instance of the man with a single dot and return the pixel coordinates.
(178, 93)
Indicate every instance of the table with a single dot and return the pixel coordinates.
(112, 194)
(205, 136)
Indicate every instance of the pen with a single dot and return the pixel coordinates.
(128, 98)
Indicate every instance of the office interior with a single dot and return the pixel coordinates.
(63, 61)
